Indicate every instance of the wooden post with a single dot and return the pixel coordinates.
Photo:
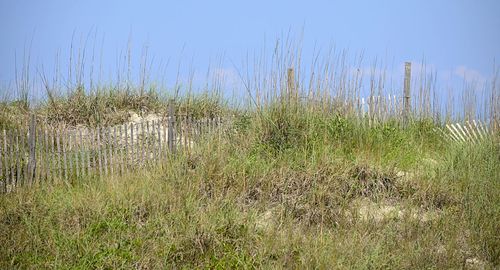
(165, 141)
(125, 158)
(121, 148)
(71, 152)
(111, 146)
(99, 158)
(148, 146)
(407, 82)
(292, 94)
(91, 144)
(131, 145)
(40, 167)
(171, 122)
(18, 161)
(186, 132)
(159, 141)
(10, 159)
(143, 144)
(153, 140)
(83, 152)
(64, 149)
(105, 143)
(59, 153)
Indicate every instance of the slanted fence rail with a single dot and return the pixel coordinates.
(37, 154)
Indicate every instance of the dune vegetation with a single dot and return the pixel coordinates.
(290, 184)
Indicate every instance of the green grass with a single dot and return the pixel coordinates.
(284, 188)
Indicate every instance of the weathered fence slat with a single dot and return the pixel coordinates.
(71, 155)
(65, 154)
(122, 160)
(165, 142)
(148, 145)
(10, 145)
(91, 157)
(105, 139)
(99, 150)
(18, 158)
(110, 144)
(171, 122)
(131, 144)
(39, 160)
(158, 128)
(138, 146)
(81, 151)
(127, 152)
(143, 144)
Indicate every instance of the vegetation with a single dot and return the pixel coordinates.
(287, 188)
(293, 183)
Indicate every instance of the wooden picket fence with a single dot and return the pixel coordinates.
(38, 154)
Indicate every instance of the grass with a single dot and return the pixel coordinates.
(285, 188)
(299, 182)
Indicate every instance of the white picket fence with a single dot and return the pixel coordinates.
(467, 132)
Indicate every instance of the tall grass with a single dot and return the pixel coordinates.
(286, 195)
(300, 179)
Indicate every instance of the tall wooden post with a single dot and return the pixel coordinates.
(31, 145)
(406, 100)
(171, 122)
(292, 91)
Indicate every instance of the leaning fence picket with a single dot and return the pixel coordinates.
(122, 160)
(12, 158)
(8, 157)
(78, 155)
(153, 142)
(143, 144)
(91, 160)
(131, 154)
(22, 157)
(49, 150)
(18, 160)
(98, 133)
(116, 145)
(9, 145)
(187, 133)
(65, 154)
(138, 146)
(127, 152)
(57, 154)
(109, 143)
(165, 142)
(38, 156)
(71, 155)
(147, 144)
(158, 128)
(105, 149)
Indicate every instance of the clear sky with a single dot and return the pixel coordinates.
(454, 36)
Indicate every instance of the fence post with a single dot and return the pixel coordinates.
(31, 145)
(406, 101)
(171, 122)
(292, 92)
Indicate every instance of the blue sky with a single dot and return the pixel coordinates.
(456, 37)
